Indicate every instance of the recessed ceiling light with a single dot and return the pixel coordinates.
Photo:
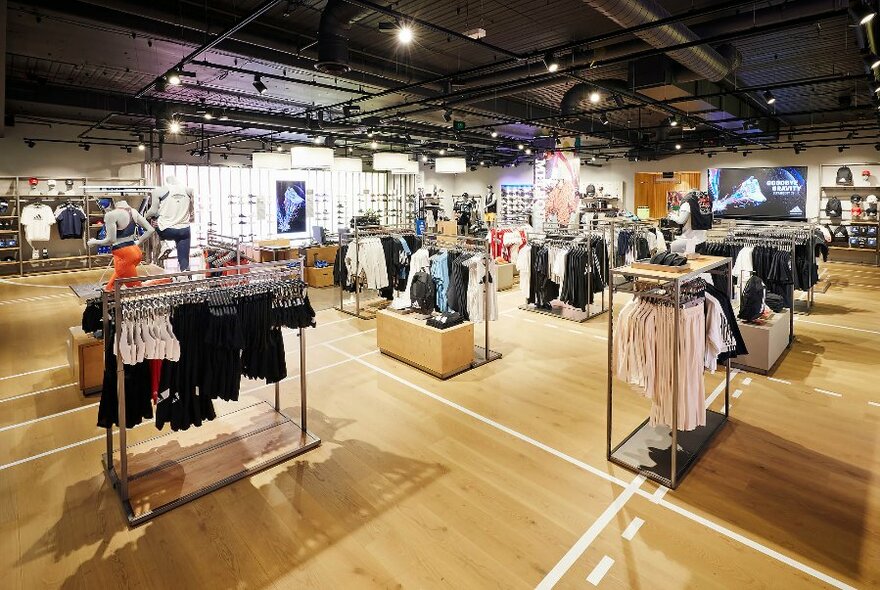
(595, 96)
(494, 134)
(174, 127)
(405, 34)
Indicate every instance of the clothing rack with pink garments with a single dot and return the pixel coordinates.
(648, 450)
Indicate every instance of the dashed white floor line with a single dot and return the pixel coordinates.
(775, 380)
(810, 352)
(53, 451)
(38, 392)
(826, 392)
(577, 550)
(875, 404)
(33, 372)
(49, 417)
(747, 381)
(322, 324)
(573, 331)
(600, 570)
(736, 393)
(549, 325)
(720, 388)
(658, 494)
(599, 337)
(529, 321)
(632, 528)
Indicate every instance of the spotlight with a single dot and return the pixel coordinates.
(770, 99)
(528, 151)
(141, 146)
(520, 147)
(404, 35)
(595, 97)
(258, 84)
(30, 143)
(173, 77)
(592, 158)
(350, 149)
(442, 152)
(174, 127)
(318, 140)
(551, 62)
(678, 146)
(482, 162)
(673, 122)
(603, 118)
(424, 158)
(224, 117)
(494, 134)
(447, 115)
(278, 148)
(208, 116)
(369, 133)
(866, 15)
(374, 145)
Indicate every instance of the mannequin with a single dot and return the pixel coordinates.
(491, 206)
(693, 221)
(171, 206)
(120, 221)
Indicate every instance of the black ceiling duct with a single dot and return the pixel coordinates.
(333, 36)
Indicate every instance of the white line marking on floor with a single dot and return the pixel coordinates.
(775, 380)
(750, 543)
(50, 416)
(549, 325)
(488, 421)
(577, 550)
(826, 392)
(311, 371)
(529, 321)
(33, 372)
(574, 331)
(877, 404)
(600, 570)
(321, 325)
(33, 299)
(53, 451)
(798, 319)
(747, 381)
(600, 337)
(15, 284)
(719, 388)
(737, 393)
(810, 352)
(658, 494)
(656, 497)
(632, 528)
(39, 391)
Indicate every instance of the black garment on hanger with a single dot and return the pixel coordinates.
(730, 317)
(138, 402)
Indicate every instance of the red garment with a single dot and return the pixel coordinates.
(155, 374)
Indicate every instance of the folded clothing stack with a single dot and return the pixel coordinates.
(446, 320)
(668, 259)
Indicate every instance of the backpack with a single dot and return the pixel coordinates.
(844, 176)
(833, 208)
(423, 292)
(752, 303)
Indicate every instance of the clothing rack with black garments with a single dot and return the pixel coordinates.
(484, 354)
(580, 275)
(782, 250)
(352, 277)
(648, 450)
(227, 447)
(809, 246)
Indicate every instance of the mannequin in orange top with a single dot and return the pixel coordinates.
(120, 221)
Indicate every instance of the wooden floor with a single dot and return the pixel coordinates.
(496, 478)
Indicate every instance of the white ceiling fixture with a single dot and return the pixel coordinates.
(311, 158)
(411, 167)
(272, 161)
(347, 165)
(450, 165)
(390, 161)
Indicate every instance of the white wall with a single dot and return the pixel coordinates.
(619, 170)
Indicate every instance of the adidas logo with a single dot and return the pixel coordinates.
(796, 209)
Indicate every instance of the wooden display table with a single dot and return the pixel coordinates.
(441, 353)
(325, 253)
(505, 276)
(765, 342)
(85, 355)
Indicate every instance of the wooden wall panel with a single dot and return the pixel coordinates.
(650, 192)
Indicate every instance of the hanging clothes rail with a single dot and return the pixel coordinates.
(805, 233)
(223, 450)
(231, 244)
(648, 450)
(595, 242)
(376, 231)
(483, 354)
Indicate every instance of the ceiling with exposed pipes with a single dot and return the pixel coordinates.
(615, 78)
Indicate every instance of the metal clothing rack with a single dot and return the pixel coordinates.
(484, 354)
(648, 450)
(377, 231)
(569, 237)
(220, 451)
(798, 230)
(228, 243)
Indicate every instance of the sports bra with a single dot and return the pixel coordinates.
(129, 229)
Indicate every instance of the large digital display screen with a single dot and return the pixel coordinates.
(759, 193)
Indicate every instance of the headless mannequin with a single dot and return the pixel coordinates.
(171, 206)
(119, 225)
(688, 233)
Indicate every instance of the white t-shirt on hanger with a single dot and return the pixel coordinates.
(37, 220)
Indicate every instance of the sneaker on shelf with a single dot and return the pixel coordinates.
(35, 255)
(45, 253)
